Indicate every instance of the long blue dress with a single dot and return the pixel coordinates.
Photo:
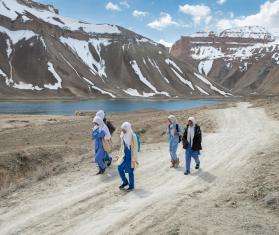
(126, 167)
(100, 153)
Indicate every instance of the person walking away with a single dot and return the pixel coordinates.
(109, 129)
(174, 136)
(97, 135)
(127, 160)
(192, 139)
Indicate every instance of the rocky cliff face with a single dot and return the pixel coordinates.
(45, 55)
(244, 60)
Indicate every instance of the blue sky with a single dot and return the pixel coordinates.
(169, 19)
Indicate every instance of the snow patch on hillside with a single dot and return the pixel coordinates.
(141, 77)
(135, 93)
(243, 67)
(81, 48)
(201, 90)
(26, 86)
(145, 40)
(240, 53)
(206, 53)
(98, 89)
(52, 18)
(170, 62)
(2, 73)
(275, 57)
(173, 64)
(56, 76)
(18, 35)
(8, 81)
(21, 85)
(43, 42)
(155, 65)
(187, 82)
(9, 48)
(205, 67)
(254, 32)
(203, 79)
(144, 80)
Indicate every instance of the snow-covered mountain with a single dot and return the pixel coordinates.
(244, 60)
(43, 54)
(250, 32)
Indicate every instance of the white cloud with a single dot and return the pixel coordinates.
(166, 44)
(112, 7)
(198, 12)
(164, 21)
(225, 24)
(137, 13)
(125, 4)
(221, 2)
(268, 17)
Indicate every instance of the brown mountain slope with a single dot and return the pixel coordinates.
(44, 55)
(244, 60)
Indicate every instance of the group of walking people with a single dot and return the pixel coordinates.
(191, 140)
(130, 146)
(127, 159)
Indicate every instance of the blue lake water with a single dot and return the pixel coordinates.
(69, 108)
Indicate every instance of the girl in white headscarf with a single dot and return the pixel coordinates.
(174, 135)
(127, 161)
(97, 135)
(192, 138)
(101, 114)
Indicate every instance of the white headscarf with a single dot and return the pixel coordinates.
(191, 130)
(173, 121)
(100, 123)
(127, 137)
(101, 114)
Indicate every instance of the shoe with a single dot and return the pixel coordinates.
(172, 164)
(122, 186)
(101, 172)
(129, 189)
(187, 173)
(109, 163)
(197, 166)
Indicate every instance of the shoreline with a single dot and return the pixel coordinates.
(79, 99)
(65, 99)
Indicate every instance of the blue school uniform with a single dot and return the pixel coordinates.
(173, 141)
(126, 167)
(100, 153)
(189, 154)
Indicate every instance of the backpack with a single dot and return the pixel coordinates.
(138, 141)
(110, 127)
(177, 130)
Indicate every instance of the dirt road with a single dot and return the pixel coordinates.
(165, 201)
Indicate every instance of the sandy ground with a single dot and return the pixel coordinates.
(234, 192)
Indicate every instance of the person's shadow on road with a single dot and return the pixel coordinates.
(206, 176)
